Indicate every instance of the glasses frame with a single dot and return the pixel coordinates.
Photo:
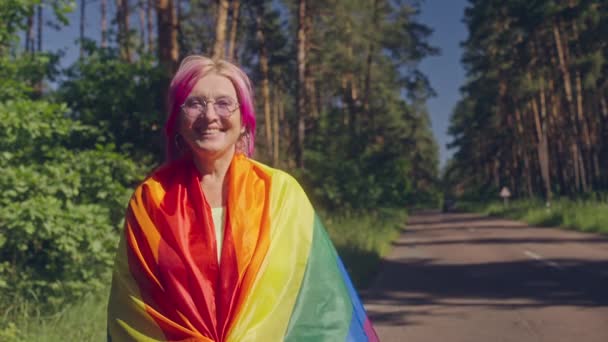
(205, 104)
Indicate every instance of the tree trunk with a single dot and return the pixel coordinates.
(29, 38)
(586, 141)
(149, 8)
(40, 24)
(528, 175)
(604, 106)
(574, 145)
(122, 18)
(368, 69)
(275, 126)
(542, 149)
(544, 144)
(220, 30)
(83, 4)
(142, 23)
(577, 175)
(263, 60)
(311, 90)
(104, 24)
(496, 173)
(313, 109)
(301, 95)
(233, 29)
(520, 135)
(168, 48)
(563, 68)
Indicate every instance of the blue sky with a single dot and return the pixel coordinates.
(445, 72)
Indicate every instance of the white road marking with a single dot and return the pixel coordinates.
(543, 260)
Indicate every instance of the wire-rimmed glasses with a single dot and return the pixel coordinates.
(223, 106)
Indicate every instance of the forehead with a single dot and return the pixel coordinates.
(213, 85)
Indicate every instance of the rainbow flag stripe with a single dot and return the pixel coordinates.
(280, 277)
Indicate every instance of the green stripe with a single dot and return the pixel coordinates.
(323, 308)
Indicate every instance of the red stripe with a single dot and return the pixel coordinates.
(193, 284)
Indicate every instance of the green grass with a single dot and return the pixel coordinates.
(81, 321)
(361, 239)
(582, 215)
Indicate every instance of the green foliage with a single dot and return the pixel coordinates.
(371, 144)
(84, 320)
(124, 100)
(21, 75)
(61, 203)
(363, 238)
(376, 177)
(66, 177)
(534, 72)
(585, 215)
(14, 13)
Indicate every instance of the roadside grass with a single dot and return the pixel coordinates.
(80, 321)
(582, 215)
(362, 239)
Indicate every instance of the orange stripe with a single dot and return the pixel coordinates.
(171, 255)
(250, 198)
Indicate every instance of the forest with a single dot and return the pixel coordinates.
(340, 104)
(534, 111)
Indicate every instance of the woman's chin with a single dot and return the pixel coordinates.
(212, 147)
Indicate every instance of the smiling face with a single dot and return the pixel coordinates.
(210, 135)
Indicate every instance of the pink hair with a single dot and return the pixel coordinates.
(191, 70)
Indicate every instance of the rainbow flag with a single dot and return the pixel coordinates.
(278, 278)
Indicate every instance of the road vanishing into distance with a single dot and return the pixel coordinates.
(467, 278)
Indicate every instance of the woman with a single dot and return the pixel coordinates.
(218, 247)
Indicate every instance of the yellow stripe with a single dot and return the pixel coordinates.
(265, 313)
(126, 310)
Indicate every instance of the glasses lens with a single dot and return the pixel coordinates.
(193, 107)
(222, 106)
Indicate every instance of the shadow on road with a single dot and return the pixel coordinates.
(415, 286)
(503, 285)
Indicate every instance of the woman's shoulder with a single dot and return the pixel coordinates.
(276, 175)
(284, 187)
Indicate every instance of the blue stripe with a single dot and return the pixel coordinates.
(356, 332)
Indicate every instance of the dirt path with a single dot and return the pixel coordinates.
(467, 278)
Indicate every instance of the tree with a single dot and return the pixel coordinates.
(168, 47)
(219, 47)
(541, 125)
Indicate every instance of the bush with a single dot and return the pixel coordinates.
(62, 197)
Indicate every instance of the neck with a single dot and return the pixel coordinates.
(213, 167)
(213, 177)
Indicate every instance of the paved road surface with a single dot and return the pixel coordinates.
(467, 278)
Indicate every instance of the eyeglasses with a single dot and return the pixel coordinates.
(196, 106)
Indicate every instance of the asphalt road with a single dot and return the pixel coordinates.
(467, 278)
